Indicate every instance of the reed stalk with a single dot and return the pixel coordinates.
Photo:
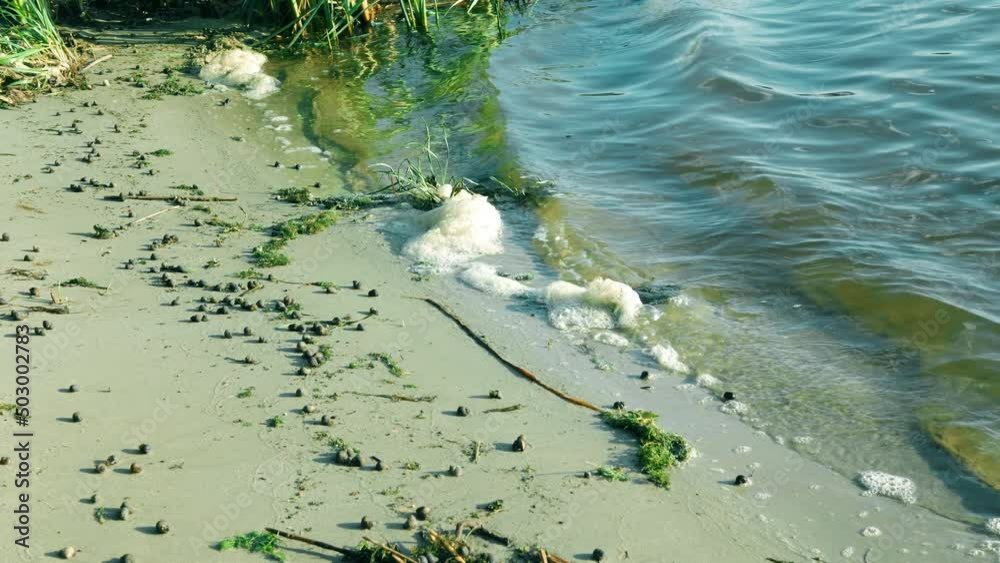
(32, 52)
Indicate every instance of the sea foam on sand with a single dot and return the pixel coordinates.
(464, 227)
(240, 68)
(601, 304)
(886, 485)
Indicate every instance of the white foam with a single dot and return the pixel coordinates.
(611, 339)
(464, 227)
(886, 485)
(737, 408)
(847, 552)
(742, 449)
(240, 68)
(668, 358)
(707, 380)
(993, 525)
(602, 304)
(485, 278)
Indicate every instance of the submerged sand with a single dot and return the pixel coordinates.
(217, 468)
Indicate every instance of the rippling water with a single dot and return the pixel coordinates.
(822, 181)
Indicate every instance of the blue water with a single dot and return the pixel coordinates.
(822, 178)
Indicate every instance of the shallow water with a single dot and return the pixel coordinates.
(821, 181)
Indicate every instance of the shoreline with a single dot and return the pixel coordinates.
(177, 384)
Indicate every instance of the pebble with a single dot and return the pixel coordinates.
(162, 527)
(463, 411)
(367, 523)
(309, 409)
(597, 555)
(135, 468)
(299, 392)
(411, 522)
(327, 420)
(373, 293)
(77, 417)
(47, 325)
(423, 513)
(496, 394)
(520, 444)
(68, 552)
(145, 448)
(127, 558)
(728, 396)
(455, 471)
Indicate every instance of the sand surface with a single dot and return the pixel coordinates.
(148, 375)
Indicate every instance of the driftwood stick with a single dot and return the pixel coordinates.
(123, 197)
(95, 62)
(151, 215)
(492, 536)
(395, 398)
(511, 408)
(545, 558)
(482, 342)
(320, 544)
(400, 556)
(436, 537)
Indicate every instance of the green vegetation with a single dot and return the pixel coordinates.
(245, 393)
(659, 451)
(250, 274)
(102, 232)
(81, 282)
(411, 465)
(194, 190)
(171, 86)
(612, 473)
(264, 543)
(269, 254)
(294, 195)
(275, 421)
(161, 152)
(388, 362)
(32, 52)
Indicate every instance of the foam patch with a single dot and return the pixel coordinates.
(891, 486)
(738, 408)
(611, 339)
(707, 380)
(602, 304)
(464, 227)
(485, 278)
(668, 358)
(993, 525)
(240, 68)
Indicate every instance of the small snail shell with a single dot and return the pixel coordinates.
(135, 468)
(68, 552)
(162, 527)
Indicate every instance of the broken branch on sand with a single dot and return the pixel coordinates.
(123, 197)
(482, 342)
(511, 408)
(316, 543)
(396, 398)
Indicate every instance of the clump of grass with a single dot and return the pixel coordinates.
(269, 254)
(192, 189)
(264, 543)
(250, 274)
(388, 362)
(275, 421)
(659, 451)
(102, 232)
(81, 282)
(33, 55)
(612, 473)
(202, 208)
(171, 86)
(245, 393)
(161, 152)
(294, 195)
(411, 465)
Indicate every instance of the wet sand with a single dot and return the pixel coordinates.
(218, 468)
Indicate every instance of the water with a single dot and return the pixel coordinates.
(822, 182)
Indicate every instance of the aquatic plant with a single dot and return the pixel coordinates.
(612, 473)
(264, 543)
(33, 54)
(659, 451)
(269, 254)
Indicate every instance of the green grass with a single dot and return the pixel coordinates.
(264, 543)
(81, 282)
(388, 362)
(275, 422)
(612, 473)
(659, 451)
(161, 152)
(32, 53)
(194, 190)
(171, 86)
(245, 393)
(270, 255)
(294, 195)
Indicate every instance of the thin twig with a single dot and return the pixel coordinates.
(390, 550)
(482, 342)
(396, 398)
(511, 408)
(320, 544)
(151, 215)
(95, 62)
